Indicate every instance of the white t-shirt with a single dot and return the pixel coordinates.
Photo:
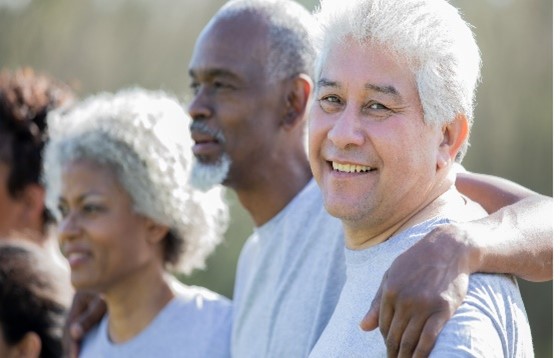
(196, 324)
(289, 277)
(491, 322)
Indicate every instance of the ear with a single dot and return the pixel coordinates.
(29, 346)
(454, 135)
(31, 200)
(297, 95)
(156, 232)
(34, 198)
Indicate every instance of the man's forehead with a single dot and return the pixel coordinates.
(246, 27)
(226, 58)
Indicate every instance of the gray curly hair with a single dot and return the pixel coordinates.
(144, 137)
(428, 35)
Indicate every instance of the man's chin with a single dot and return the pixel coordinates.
(205, 176)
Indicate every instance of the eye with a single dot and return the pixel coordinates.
(221, 85)
(331, 99)
(195, 86)
(91, 208)
(63, 210)
(376, 106)
(330, 103)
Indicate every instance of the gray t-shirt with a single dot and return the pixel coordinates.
(195, 324)
(289, 277)
(491, 322)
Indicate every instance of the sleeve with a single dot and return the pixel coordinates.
(491, 322)
(469, 333)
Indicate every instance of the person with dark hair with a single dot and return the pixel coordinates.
(26, 98)
(32, 307)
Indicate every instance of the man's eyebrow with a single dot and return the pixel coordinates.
(211, 73)
(384, 89)
(323, 82)
(388, 89)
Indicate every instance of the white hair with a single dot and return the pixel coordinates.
(144, 137)
(291, 29)
(428, 35)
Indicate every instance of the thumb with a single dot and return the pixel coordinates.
(371, 319)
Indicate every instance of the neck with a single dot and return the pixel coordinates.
(135, 302)
(270, 194)
(434, 203)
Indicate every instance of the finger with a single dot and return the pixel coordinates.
(69, 345)
(79, 305)
(429, 335)
(371, 319)
(410, 337)
(386, 307)
(393, 339)
(74, 349)
(89, 318)
(80, 302)
(386, 313)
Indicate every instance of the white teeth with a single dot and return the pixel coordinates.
(350, 168)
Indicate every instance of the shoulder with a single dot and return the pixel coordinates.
(490, 322)
(199, 301)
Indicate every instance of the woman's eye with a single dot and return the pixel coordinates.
(63, 210)
(90, 208)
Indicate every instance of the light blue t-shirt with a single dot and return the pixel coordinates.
(491, 322)
(196, 324)
(289, 277)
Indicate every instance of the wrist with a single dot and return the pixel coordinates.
(467, 235)
(466, 249)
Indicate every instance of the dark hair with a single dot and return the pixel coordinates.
(29, 301)
(25, 100)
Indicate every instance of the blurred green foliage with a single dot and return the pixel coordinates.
(104, 45)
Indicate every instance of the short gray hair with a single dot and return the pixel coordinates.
(428, 35)
(144, 137)
(291, 29)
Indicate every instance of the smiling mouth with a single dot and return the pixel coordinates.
(350, 168)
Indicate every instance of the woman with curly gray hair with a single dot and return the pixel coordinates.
(116, 172)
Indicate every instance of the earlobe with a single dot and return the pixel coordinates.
(455, 133)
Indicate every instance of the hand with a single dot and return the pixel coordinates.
(86, 311)
(421, 291)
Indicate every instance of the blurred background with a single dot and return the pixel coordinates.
(104, 45)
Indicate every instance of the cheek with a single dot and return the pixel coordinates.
(318, 129)
(314, 148)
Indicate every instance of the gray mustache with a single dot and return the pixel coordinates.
(201, 127)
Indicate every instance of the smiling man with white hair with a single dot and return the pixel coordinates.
(392, 113)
